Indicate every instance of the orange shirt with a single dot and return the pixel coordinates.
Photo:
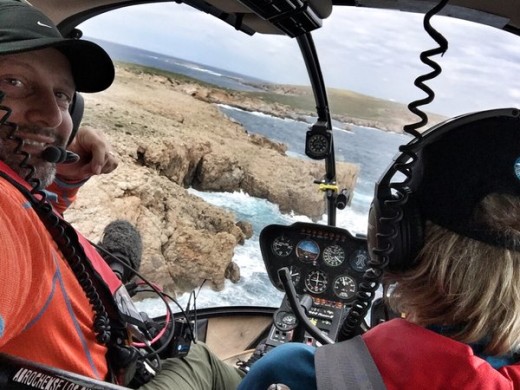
(44, 313)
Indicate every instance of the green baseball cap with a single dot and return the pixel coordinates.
(24, 28)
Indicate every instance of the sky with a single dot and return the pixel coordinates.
(368, 51)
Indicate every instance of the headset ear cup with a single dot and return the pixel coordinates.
(76, 109)
(409, 240)
(373, 242)
(384, 236)
(402, 239)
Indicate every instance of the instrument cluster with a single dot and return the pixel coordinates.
(325, 262)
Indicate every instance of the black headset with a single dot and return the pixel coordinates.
(76, 109)
(56, 154)
(441, 177)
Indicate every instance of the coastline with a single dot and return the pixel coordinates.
(168, 139)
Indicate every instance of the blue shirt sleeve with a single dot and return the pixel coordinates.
(291, 364)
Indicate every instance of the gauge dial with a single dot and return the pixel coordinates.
(285, 320)
(282, 246)
(359, 260)
(307, 251)
(316, 281)
(344, 287)
(318, 145)
(333, 255)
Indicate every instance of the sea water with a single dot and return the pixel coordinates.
(372, 149)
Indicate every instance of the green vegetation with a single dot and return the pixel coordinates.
(343, 103)
(141, 69)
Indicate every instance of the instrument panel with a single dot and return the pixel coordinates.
(324, 261)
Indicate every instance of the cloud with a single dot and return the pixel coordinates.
(368, 51)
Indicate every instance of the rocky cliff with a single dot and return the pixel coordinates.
(169, 139)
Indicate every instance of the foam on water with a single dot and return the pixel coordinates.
(371, 149)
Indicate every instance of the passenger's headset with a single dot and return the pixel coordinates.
(442, 177)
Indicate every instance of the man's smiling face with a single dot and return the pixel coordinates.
(38, 88)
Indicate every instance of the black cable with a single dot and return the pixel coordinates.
(285, 277)
(61, 232)
(13, 128)
(162, 295)
(154, 289)
(425, 58)
(400, 191)
(66, 239)
(184, 314)
(194, 311)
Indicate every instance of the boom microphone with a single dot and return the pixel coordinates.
(58, 155)
(122, 240)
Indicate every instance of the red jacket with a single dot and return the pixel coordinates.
(412, 357)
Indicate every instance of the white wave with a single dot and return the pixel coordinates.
(260, 114)
(154, 307)
(362, 198)
(254, 287)
(203, 70)
(342, 130)
(249, 258)
(224, 198)
(239, 202)
(177, 62)
(295, 155)
(240, 294)
(354, 221)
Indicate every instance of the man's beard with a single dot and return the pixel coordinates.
(44, 171)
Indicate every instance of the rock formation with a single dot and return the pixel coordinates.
(167, 141)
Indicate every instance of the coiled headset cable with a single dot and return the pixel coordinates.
(63, 234)
(400, 190)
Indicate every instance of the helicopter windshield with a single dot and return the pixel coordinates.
(369, 60)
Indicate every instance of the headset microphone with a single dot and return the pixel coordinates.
(58, 155)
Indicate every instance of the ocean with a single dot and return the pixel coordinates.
(372, 149)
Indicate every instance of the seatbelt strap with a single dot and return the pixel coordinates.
(347, 365)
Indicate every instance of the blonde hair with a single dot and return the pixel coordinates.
(467, 283)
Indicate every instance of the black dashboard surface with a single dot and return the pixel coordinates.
(325, 262)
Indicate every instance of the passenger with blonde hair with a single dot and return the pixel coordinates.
(447, 238)
(471, 284)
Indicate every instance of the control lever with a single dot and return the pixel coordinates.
(285, 278)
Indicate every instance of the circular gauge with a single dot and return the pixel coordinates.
(295, 274)
(318, 145)
(333, 255)
(316, 282)
(285, 320)
(282, 246)
(344, 287)
(307, 251)
(359, 260)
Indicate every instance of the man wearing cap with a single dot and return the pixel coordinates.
(56, 292)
